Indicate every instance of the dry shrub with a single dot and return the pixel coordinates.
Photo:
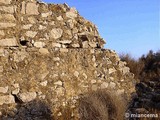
(102, 105)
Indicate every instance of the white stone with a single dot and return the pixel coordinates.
(23, 7)
(46, 14)
(39, 44)
(56, 33)
(15, 91)
(104, 85)
(112, 70)
(7, 25)
(93, 44)
(93, 81)
(7, 99)
(76, 73)
(8, 9)
(31, 34)
(65, 41)
(27, 96)
(28, 26)
(56, 45)
(5, 1)
(32, 9)
(2, 33)
(41, 27)
(43, 51)
(125, 70)
(59, 18)
(72, 13)
(76, 45)
(8, 42)
(4, 89)
(58, 83)
(112, 85)
(85, 44)
(44, 83)
(56, 59)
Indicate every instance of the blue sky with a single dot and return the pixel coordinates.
(128, 26)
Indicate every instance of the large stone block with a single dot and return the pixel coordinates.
(8, 42)
(5, 1)
(8, 17)
(7, 99)
(72, 13)
(32, 9)
(7, 25)
(27, 96)
(56, 33)
(7, 9)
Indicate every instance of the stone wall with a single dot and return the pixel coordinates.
(49, 52)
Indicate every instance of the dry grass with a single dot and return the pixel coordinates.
(102, 105)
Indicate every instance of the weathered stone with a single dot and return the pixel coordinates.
(93, 44)
(7, 99)
(60, 18)
(28, 26)
(8, 42)
(125, 70)
(31, 34)
(56, 59)
(56, 45)
(43, 51)
(112, 85)
(41, 27)
(104, 85)
(85, 44)
(8, 9)
(72, 13)
(2, 33)
(76, 73)
(5, 1)
(63, 50)
(44, 83)
(27, 96)
(58, 83)
(46, 14)
(32, 20)
(7, 17)
(32, 9)
(1, 52)
(93, 81)
(7, 25)
(76, 45)
(1, 67)
(3, 89)
(39, 44)
(56, 33)
(16, 89)
(120, 92)
(65, 41)
(23, 7)
(112, 70)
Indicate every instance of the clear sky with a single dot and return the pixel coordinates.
(128, 26)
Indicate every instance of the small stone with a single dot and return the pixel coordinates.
(23, 7)
(76, 73)
(43, 51)
(32, 9)
(72, 13)
(93, 81)
(58, 83)
(56, 45)
(112, 85)
(39, 44)
(76, 45)
(8, 9)
(15, 91)
(85, 44)
(65, 41)
(1, 69)
(104, 85)
(112, 70)
(31, 34)
(44, 83)
(60, 18)
(94, 87)
(27, 26)
(4, 89)
(120, 92)
(8, 42)
(56, 33)
(7, 25)
(56, 59)
(46, 14)
(2, 33)
(7, 17)
(32, 20)
(93, 44)
(7, 99)
(125, 70)
(1, 52)
(63, 50)
(5, 1)
(27, 96)
(41, 27)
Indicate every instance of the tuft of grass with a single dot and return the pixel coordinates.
(102, 105)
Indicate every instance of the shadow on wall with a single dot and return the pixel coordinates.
(33, 110)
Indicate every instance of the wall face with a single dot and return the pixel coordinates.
(49, 52)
